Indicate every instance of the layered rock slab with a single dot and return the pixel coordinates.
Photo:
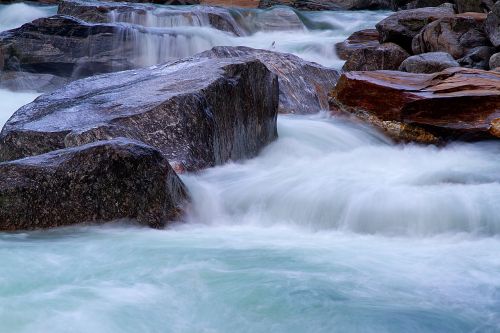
(457, 103)
(303, 85)
(198, 112)
(97, 182)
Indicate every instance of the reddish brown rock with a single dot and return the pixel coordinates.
(362, 39)
(457, 103)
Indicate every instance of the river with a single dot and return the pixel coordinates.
(332, 228)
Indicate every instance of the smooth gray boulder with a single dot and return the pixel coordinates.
(303, 85)
(198, 112)
(402, 26)
(431, 62)
(388, 56)
(495, 61)
(98, 182)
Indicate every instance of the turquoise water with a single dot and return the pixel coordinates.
(268, 248)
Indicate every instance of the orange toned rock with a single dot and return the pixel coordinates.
(457, 103)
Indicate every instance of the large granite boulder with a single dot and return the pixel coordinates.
(492, 25)
(142, 14)
(363, 39)
(65, 46)
(385, 56)
(431, 62)
(198, 112)
(98, 182)
(402, 26)
(457, 103)
(455, 35)
(327, 4)
(303, 85)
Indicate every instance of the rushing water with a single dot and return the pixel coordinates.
(333, 228)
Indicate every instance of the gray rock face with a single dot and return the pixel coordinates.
(402, 26)
(362, 39)
(98, 182)
(454, 35)
(385, 56)
(328, 4)
(198, 112)
(477, 57)
(495, 61)
(492, 25)
(64, 46)
(303, 85)
(477, 6)
(105, 12)
(428, 63)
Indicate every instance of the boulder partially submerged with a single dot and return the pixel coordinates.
(198, 112)
(97, 182)
(457, 103)
(303, 85)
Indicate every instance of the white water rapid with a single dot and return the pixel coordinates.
(332, 228)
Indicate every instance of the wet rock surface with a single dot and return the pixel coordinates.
(457, 103)
(303, 85)
(98, 182)
(492, 25)
(198, 112)
(385, 56)
(428, 63)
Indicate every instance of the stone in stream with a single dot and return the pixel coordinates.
(363, 39)
(303, 85)
(143, 14)
(385, 56)
(198, 112)
(413, 4)
(64, 46)
(457, 103)
(402, 26)
(492, 25)
(455, 35)
(97, 182)
(428, 63)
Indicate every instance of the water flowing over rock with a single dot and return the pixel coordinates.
(303, 85)
(455, 103)
(98, 182)
(454, 35)
(198, 112)
(148, 15)
(492, 25)
(64, 46)
(402, 26)
(431, 62)
(385, 56)
(362, 39)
